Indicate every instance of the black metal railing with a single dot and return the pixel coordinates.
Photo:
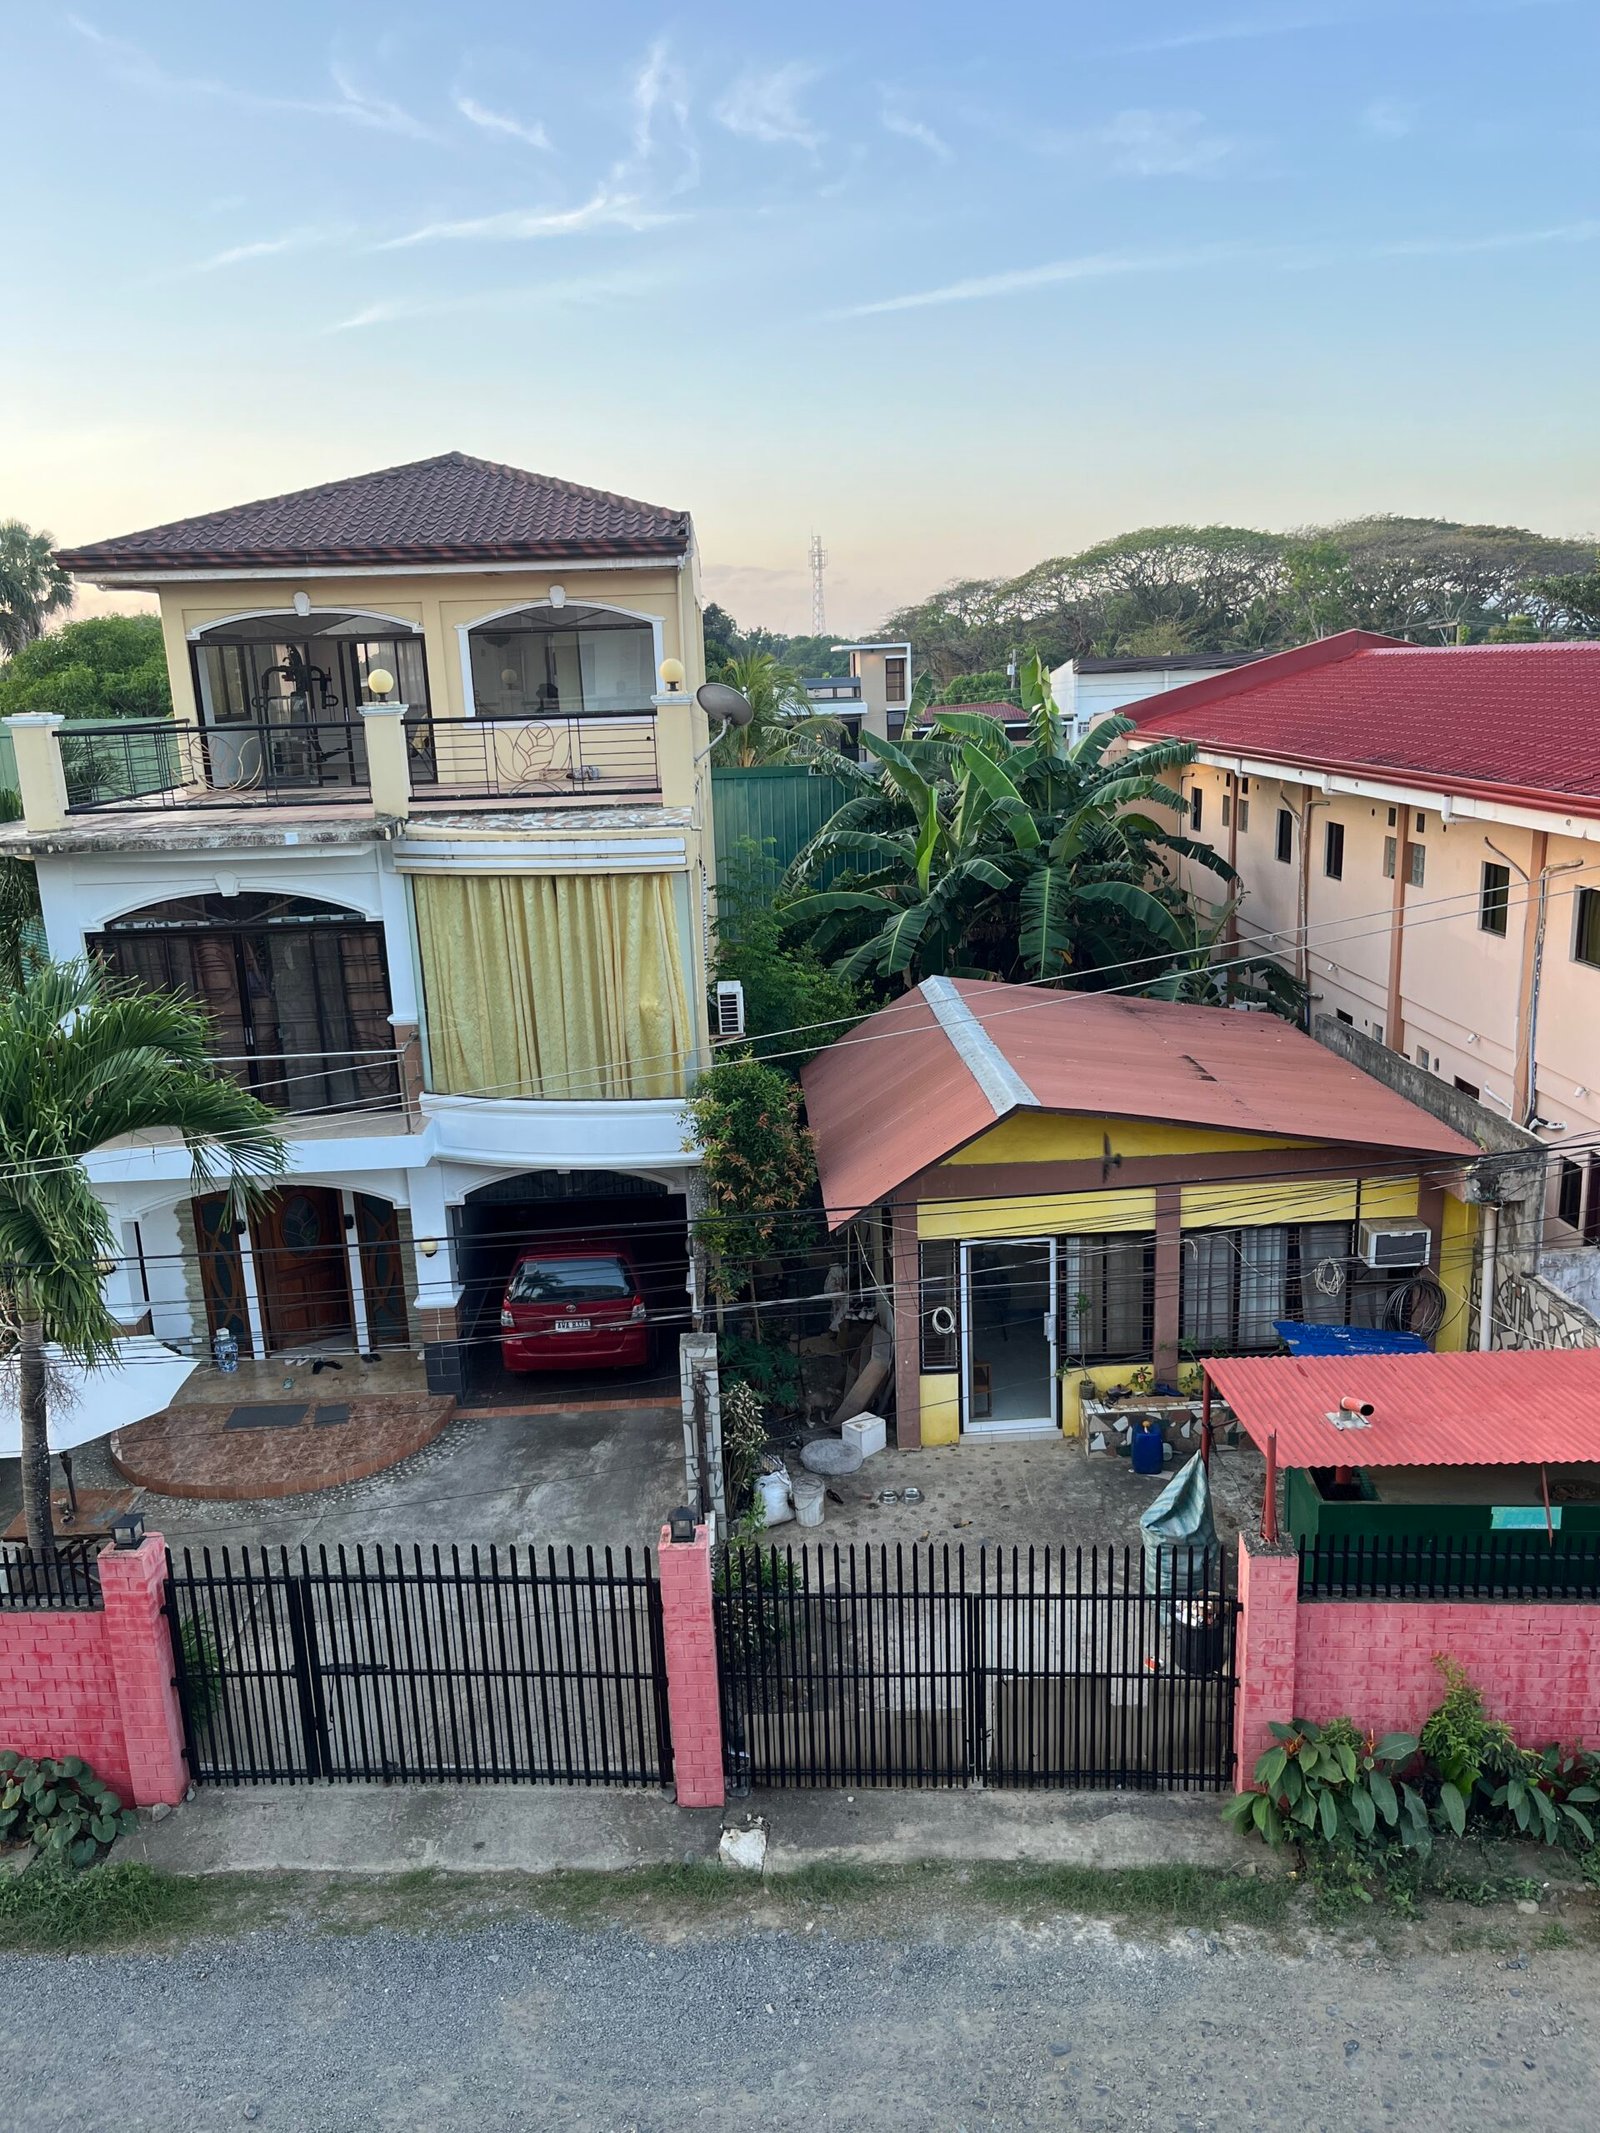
(320, 1081)
(930, 1666)
(1528, 1565)
(69, 1578)
(483, 1665)
(157, 763)
(525, 756)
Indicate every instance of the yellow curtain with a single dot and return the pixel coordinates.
(565, 987)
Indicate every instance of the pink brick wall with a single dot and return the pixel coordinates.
(693, 1701)
(98, 1682)
(1538, 1665)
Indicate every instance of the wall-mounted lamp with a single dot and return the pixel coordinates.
(671, 672)
(558, 596)
(380, 683)
(1472, 1036)
(428, 1247)
(302, 605)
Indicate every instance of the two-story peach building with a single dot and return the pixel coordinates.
(1417, 833)
(426, 838)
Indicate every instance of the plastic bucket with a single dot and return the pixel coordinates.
(809, 1492)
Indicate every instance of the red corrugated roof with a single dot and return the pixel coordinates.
(922, 1077)
(1518, 721)
(453, 508)
(1508, 1407)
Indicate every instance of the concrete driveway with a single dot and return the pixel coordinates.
(574, 1478)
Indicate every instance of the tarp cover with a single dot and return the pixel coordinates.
(84, 1404)
(1179, 1531)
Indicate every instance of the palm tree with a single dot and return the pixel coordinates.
(1022, 860)
(84, 1058)
(33, 586)
(784, 727)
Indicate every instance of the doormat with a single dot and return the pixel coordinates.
(273, 1414)
(329, 1413)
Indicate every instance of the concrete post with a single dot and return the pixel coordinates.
(40, 778)
(689, 1640)
(1265, 1650)
(700, 1388)
(131, 1586)
(388, 765)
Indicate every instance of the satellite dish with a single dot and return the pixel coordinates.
(725, 705)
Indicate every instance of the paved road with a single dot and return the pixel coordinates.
(533, 2024)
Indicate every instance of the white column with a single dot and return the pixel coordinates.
(358, 1287)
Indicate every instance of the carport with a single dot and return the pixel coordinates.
(500, 1220)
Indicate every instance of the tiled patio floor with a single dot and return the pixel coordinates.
(324, 1440)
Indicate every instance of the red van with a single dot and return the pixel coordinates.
(574, 1307)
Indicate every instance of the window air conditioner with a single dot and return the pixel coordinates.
(730, 1008)
(1395, 1247)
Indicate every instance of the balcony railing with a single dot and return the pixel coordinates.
(510, 756)
(317, 1082)
(156, 763)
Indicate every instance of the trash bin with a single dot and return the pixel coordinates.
(1147, 1448)
(1197, 1636)
(808, 1490)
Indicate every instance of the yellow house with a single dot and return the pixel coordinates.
(1078, 1184)
(428, 839)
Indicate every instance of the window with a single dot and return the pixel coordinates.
(1586, 931)
(1333, 851)
(1195, 807)
(1569, 1193)
(568, 660)
(936, 1308)
(1235, 1282)
(1377, 1033)
(1339, 1015)
(1227, 810)
(1422, 823)
(1393, 817)
(1423, 1059)
(1494, 898)
(1390, 849)
(1468, 1088)
(1285, 846)
(1107, 1298)
(1417, 867)
(894, 679)
(1244, 816)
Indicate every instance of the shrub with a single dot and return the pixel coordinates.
(59, 1805)
(1333, 1783)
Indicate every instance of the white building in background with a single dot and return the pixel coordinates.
(1090, 689)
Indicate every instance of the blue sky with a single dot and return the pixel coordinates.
(960, 287)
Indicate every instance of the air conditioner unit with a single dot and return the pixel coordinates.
(1395, 1247)
(730, 1008)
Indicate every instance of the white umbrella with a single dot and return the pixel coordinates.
(84, 1404)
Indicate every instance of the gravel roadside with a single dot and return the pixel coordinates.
(532, 2022)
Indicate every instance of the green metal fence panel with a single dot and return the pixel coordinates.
(780, 805)
(8, 763)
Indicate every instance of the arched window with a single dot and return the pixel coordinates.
(568, 659)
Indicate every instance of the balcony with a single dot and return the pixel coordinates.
(590, 757)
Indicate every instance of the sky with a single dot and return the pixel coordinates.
(958, 288)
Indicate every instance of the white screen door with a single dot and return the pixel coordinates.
(1008, 1336)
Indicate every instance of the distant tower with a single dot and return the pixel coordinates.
(819, 607)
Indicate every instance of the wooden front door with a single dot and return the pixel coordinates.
(302, 1270)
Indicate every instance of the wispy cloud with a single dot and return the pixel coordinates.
(500, 122)
(352, 103)
(1240, 29)
(603, 209)
(764, 105)
(897, 119)
(1160, 144)
(1096, 266)
(271, 247)
(580, 292)
(1390, 118)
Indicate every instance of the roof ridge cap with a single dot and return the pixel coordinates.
(999, 1083)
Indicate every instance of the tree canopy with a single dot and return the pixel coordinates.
(33, 586)
(1197, 589)
(109, 666)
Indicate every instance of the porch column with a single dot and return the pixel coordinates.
(40, 778)
(388, 769)
(436, 1303)
(1168, 1319)
(907, 1325)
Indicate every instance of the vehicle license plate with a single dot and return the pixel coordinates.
(572, 1325)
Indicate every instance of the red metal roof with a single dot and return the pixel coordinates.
(1519, 722)
(1507, 1407)
(924, 1076)
(453, 508)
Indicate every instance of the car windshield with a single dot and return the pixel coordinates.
(569, 1281)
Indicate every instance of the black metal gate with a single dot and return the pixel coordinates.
(413, 1665)
(924, 1666)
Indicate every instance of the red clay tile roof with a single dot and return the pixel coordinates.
(928, 1073)
(450, 509)
(1518, 722)
(1500, 1407)
(1011, 713)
